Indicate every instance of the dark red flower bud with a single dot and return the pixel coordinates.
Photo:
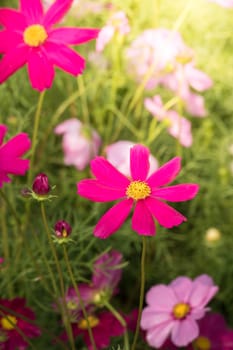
(41, 184)
(62, 229)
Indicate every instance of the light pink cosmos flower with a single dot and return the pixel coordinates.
(29, 37)
(147, 193)
(10, 153)
(117, 23)
(179, 127)
(224, 3)
(173, 310)
(118, 154)
(80, 143)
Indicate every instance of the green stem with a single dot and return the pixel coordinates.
(122, 322)
(142, 289)
(75, 285)
(65, 311)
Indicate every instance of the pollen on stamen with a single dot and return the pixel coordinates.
(138, 190)
(35, 35)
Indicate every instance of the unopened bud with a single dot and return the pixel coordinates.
(62, 229)
(41, 185)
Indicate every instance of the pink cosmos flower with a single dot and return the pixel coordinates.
(118, 154)
(30, 38)
(10, 153)
(11, 339)
(107, 272)
(214, 334)
(117, 23)
(173, 310)
(147, 193)
(104, 326)
(224, 3)
(80, 143)
(179, 127)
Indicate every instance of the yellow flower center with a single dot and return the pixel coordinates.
(138, 190)
(202, 343)
(93, 322)
(8, 322)
(181, 310)
(72, 305)
(35, 35)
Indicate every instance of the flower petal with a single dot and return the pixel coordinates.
(73, 36)
(41, 71)
(150, 318)
(16, 146)
(112, 220)
(164, 214)
(97, 192)
(161, 298)
(9, 39)
(157, 335)
(65, 58)
(182, 287)
(142, 221)
(12, 61)
(201, 294)
(107, 174)
(56, 12)
(11, 19)
(165, 173)
(177, 193)
(139, 162)
(184, 332)
(32, 10)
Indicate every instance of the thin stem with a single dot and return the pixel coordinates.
(75, 285)
(122, 322)
(142, 289)
(65, 311)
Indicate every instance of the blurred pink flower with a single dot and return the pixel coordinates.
(174, 310)
(104, 326)
(213, 335)
(140, 190)
(224, 3)
(12, 327)
(30, 38)
(10, 153)
(117, 23)
(80, 143)
(179, 127)
(118, 154)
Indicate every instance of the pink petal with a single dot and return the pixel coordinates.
(16, 146)
(12, 19)
(14, 166)
(204, 279)
(182, 287)
(166, 173)
(12, 61)
(201, 294)
(68, 126)
(107, 174)
(142, 221)
(161, 298)
(164, 214)
(72, 36)
(3, 130)
(56, 12)
(112, 220)
(65, 58)
(3, 178)
(40, 69)
(157, 335)
(139, 162)
(150, 318)
(105, 35)
(9, 39)
(97, 192)
(177, 193)
(32, 10)
(184, 332)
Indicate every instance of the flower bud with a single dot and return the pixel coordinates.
(62, 229)
(41, 185)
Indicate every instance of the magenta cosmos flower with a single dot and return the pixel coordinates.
(174, 310)
(10, 153)
(10, 325)
(29, 37)
(147, 193)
